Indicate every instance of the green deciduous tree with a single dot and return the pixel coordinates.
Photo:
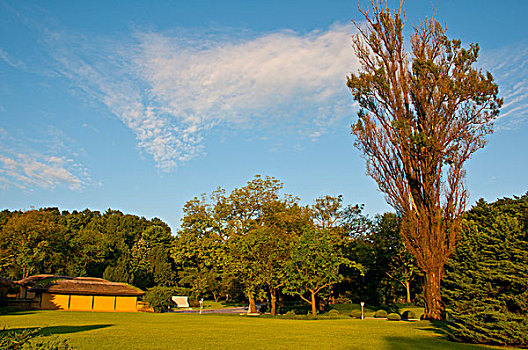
(392, 258)
(200, 251)
(314, 265)
(424, 112)
(33, 242)
(260, 256)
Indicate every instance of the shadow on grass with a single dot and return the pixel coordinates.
(438, 327)
(442, 341)
(71, 329)
(14, 312)
(427, 343)
(52, 330)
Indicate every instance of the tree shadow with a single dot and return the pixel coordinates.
(53, 330)
(71, 329)
(442, 341)
(427, 343)
(437, 327)
(11, 312)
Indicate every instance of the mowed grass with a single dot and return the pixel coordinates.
(97, 330)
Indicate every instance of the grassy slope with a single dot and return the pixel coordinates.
(90, 330)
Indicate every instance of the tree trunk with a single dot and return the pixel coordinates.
(314, 309)
(273, 301)
(408, 290)
(434, 307)
(252, 306)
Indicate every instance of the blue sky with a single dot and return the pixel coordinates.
(142, 105)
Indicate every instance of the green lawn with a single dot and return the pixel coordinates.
(95, 330)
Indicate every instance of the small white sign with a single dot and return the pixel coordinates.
(181, 301)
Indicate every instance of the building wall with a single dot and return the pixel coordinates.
(54, 301)
(72, 302)
(81, 302)
(103, 303)
(127, 304)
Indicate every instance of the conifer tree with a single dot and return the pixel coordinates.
(486, 281)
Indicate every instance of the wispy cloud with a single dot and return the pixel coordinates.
(27, 170)
(509, 66)
(12, 61)
(172, 90)
(175, 89)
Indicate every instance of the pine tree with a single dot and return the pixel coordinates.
(486, 281)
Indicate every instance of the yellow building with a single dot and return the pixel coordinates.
(79, 293)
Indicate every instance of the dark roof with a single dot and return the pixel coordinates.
(31, 280)
(79, 285)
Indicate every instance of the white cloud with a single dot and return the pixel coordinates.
(509, 66)
(27, 170)
(13, 62)
(172, 90)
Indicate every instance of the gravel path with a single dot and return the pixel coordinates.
(228, 310)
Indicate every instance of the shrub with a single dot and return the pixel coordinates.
(290, 313)
(393, 317)
(343, 300)
(30, 339)
(332, 312)
(16, 340)
(192, 302)
(380, 314)
(355, 313)
(159, 298)
(407, 315)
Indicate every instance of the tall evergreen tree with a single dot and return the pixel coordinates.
(486, 281)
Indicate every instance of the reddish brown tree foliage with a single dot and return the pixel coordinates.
(424, 112)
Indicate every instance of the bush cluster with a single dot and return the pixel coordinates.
(355, 313)
(343, 300)
(332, 312)
(290, 313)
(380, 314)
(393, 317)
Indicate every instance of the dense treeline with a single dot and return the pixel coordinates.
(113, 245)
(254, 243)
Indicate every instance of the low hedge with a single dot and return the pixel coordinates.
(393, 317)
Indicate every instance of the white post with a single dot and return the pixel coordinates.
(362, 304)
(201, 306)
